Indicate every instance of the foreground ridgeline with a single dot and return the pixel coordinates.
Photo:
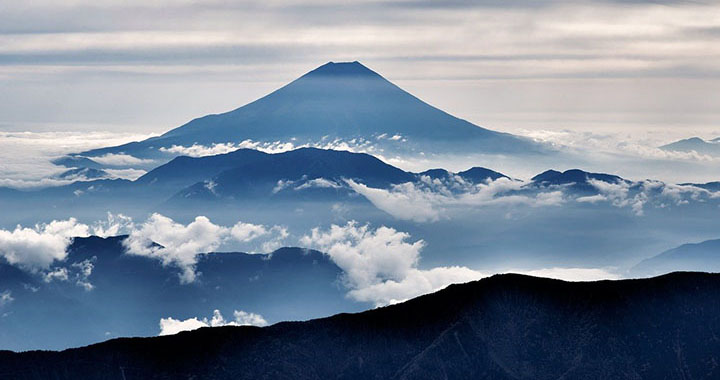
(502, 327)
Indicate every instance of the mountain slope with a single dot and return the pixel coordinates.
(695, 144)
(313, 170)
(335, 101)
(695, 256)
(130, 294)
(503, 327)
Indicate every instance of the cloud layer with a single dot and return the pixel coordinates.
(181, 245)
(170, 326)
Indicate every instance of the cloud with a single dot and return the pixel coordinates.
(170, 326)
(180, 245)
(58, 274)
(79, 272)
(243, 318)
(357, 145)
(120, 159)
(415, 283)
(379, 265)
(25, 157)
(115, 225)
(38, 247)
(6, 297)
(129, 174)
(404, 201)
(429, 200)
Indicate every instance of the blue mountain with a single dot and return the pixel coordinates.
(336, 101)
(505, 327)
(574, 179)
(703, 256)
(696, 144)
(131, 293)
(318, 172)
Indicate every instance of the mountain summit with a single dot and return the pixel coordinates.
(345, 101)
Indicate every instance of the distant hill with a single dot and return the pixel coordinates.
(502, 327)
(576, 179)
(306, 169)
(130, 294)
(704, 256)
(474, 175)
(336, 101)
(696, 144)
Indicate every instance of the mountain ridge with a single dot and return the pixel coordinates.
(502, 327)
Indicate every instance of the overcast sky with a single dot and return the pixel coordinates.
(147, 66)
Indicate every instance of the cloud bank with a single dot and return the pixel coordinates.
(170, 326)
(181, 245)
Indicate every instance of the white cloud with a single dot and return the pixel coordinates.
(430, 199)
(58, 274)
(38, 247)
(404, 201)
(116, 224)
(129, 174)
(6, 297)
(415, 283)
(170, 326)
(243, 318)
(180, 245)
(379, 265)
(120, 159)
(25, 157)
(358, 145)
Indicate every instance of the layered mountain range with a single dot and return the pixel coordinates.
(502, 327)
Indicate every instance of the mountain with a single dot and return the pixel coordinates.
(575, 179)
(317, 172)
(710, 186)
(344, 101)
(479, 174)
(502, 327)
(83, 174)
(704, 256)
(100, 292)
(77, 162)
(475, 174)
(695, 144)
(184, 171)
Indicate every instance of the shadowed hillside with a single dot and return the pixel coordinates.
(503, 327)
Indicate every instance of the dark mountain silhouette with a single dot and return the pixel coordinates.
(502, 327)
(479, 174)
(475, 174)
(703, 256)
(335, 101)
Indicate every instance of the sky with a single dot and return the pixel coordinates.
(601, 75)
(147, 66)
